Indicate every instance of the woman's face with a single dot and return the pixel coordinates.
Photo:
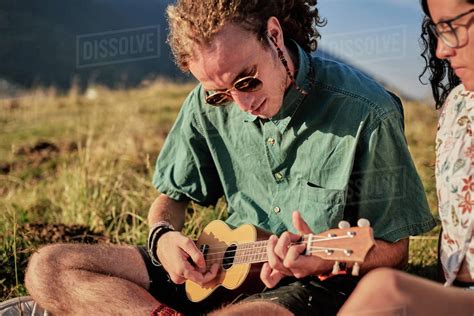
(460, 58)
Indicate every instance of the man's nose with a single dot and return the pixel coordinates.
(245, 100)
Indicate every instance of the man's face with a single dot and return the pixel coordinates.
(235, 53)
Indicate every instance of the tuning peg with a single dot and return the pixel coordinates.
(363, 222)
(343, 224)
(336, 268)
(355, 269)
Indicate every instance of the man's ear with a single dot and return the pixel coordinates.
(275, 31)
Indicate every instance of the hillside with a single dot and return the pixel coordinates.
(41, 47)
(60, 44)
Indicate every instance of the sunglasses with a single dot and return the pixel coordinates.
(250, 83)
(244, 84)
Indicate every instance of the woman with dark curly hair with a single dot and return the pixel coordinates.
(272, 129)
(448, 37)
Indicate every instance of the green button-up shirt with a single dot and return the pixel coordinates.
(338, 153)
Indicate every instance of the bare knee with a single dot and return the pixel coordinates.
(382, 289)
(382, 281)
(45, 269)
(42, 265)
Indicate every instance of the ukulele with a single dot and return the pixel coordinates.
(242, 251)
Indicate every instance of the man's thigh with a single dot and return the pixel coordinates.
(124, 262)
(310, 296)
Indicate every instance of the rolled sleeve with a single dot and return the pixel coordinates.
(185, 169)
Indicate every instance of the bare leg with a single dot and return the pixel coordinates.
(253, 308)
(390, 292)
(74, 279)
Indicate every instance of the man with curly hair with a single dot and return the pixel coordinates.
(272, 129)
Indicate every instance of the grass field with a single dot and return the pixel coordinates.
(77, 168)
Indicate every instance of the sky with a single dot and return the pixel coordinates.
(379, 36)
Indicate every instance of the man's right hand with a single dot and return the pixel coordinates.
(175, 252)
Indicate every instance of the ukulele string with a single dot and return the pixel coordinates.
(243, 249)
(243, 256)
(264, 242)
(264, 255)
(263, 245)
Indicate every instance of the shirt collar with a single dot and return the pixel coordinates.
(293, 98)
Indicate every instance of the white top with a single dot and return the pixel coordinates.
(455, 181)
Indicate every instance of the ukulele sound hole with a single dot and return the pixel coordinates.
(229, 256)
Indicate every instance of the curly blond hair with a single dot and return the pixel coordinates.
(197, 21)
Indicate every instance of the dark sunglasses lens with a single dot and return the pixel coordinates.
(217, 99)
(249, 84)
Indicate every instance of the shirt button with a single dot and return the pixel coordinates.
(271, 141)
(277, 210)
(279, 176)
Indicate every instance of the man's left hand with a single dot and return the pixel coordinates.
(286, 257)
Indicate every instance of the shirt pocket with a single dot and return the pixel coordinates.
(321, 208)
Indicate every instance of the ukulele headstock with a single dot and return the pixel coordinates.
(343, 244)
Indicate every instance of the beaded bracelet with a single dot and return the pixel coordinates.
(157, 230)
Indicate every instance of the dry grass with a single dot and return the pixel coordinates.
(421, 123)
(88, 160)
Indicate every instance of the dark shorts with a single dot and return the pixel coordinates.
(308, 296)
